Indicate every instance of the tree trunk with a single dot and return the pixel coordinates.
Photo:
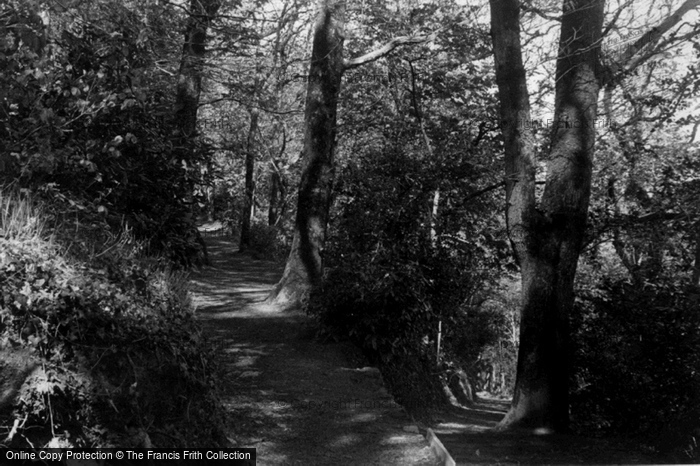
(461, 388)
(249, 202)
(696, 266)
(189, 86)
(273, 213)
(189, 82)
(304, 267)
(547, 239)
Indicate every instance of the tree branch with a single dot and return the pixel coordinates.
(635, 62)
(649, 40)
(481, 191)
(529, 8)
(387, 48)
(652, 36)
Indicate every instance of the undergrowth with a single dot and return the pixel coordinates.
(118, 358)
(637, 357)
(268, 242)
(405, 287)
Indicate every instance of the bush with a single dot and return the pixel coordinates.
(637, 354)
(389, 284)
(122, 360)
(267, 242)
(85, 124)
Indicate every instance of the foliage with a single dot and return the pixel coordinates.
(388, 284)
(637, 350)
(268, 242)
(86, 102)
(123, 363)
(88, 119)
(498, 360)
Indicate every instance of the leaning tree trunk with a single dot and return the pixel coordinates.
(249, 202)
(547, 239)
(304, 267)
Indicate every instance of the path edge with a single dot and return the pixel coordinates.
(439, 449)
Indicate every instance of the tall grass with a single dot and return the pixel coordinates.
(24, 227)
(77, 287)
(20, 218)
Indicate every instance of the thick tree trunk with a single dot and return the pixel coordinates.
(304, 267)
(249, 201)
(547, 239)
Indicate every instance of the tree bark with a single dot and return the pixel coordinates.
(695, 279)
(278, 185)
(277, 193)
(304, 268)
(547, 239)
(189, 81)
(249, 201)
(189, 85)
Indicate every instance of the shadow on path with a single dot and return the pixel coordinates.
(298, 401)
(469, 437)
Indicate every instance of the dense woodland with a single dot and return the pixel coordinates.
(485, 196)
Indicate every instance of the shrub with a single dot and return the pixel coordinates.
(87, 125)
(637, 354)
(122, 360)
(389, 285)
(267, 242)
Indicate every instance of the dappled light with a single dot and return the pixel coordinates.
(356, 233)
(287, 394)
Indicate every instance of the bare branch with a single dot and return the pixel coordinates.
(387, 48)
(635, 62)
(692, 139)
(482, 191)
(243, 102)
(653, 36)
(529, 8)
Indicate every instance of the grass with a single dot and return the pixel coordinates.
(113, 330)
(20, 219)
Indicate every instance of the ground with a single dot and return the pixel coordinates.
(297, 400)
(300, 401)
(469, 437)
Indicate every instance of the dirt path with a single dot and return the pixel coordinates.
(299, 402)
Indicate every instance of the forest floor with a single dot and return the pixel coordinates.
(468, 436)
(295, 399)
(303, 402)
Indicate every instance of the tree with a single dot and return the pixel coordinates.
(304, 268)
(249, 200)
(189, 82)
(547, 236)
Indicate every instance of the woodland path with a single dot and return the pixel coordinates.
(295, 399)
(303, 402)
